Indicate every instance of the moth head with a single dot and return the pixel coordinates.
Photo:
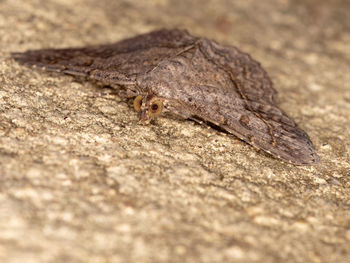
(148, 107)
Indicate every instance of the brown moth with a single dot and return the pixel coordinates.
(196, 78)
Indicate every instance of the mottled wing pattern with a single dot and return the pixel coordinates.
(256, 84)
(260, 123)
(118, 63)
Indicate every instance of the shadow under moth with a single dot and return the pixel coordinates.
(193, 77)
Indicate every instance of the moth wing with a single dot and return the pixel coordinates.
(247, 107)
(268, 128)
(116, 63)
(251, 79)
(264, 126)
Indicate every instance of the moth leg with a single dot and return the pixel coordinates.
(208, 124)
(177, 108)
(125, 92)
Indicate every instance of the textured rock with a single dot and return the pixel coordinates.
(81, 181)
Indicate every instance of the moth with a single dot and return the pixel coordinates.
(193, 77)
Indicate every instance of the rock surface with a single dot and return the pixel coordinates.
(81, 181)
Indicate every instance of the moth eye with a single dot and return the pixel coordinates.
(155, 109)
(137, 103)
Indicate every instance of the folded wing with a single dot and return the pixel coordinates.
(116, 63)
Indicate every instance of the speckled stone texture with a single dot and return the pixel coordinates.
(82, 181)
